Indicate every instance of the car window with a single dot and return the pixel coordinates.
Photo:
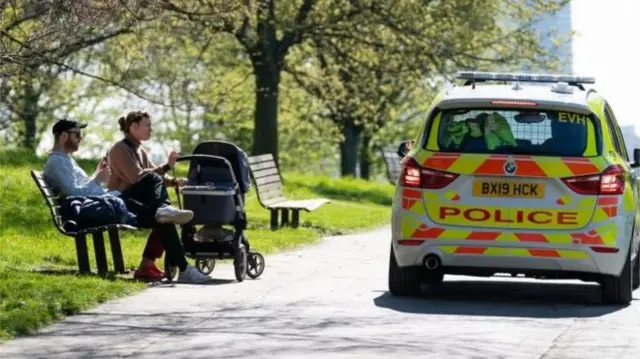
(518, 131)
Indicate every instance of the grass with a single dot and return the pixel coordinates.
(38, 284)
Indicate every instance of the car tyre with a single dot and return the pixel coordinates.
(618, 289)
(403, 282)
(636, 271)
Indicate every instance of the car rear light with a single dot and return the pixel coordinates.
(610, 181)
(414, 175)
(605, 249)
(514, 103)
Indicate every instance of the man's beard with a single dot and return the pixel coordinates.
(71, 145)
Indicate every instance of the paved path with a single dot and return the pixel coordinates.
(329, 300)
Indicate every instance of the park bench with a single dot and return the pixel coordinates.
(269, 187)
(53, 202)
(392, 163)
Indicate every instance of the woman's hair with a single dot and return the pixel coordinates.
(132, 117)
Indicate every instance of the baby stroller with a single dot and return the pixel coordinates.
(217, 181)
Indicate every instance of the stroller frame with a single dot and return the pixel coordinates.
(245, 262)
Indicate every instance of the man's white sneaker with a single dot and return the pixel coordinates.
(192, 275)
(170, 214)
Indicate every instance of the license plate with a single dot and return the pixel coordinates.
(508, 189)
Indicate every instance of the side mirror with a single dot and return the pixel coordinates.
(636, 158)
(405, 147)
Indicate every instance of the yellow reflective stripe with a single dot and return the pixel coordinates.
(455, 234)
(608, 233)
(408, 226)
(432, 143)
(559, 238)
(591, 149)
(467, 163)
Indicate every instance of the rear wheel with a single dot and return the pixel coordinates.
(403, 282)
(618, 290)
(636, 271)
(240, 263)
(434, 278)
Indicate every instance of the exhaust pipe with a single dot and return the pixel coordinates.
(432, 262)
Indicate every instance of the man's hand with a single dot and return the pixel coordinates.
(104, 163)
(173, 156)
(181, 182)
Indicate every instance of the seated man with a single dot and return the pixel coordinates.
(67, 178)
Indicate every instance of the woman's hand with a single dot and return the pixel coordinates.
(181, 182)
(173, 157)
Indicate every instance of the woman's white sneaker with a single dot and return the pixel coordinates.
(170, 214)
(192, 275)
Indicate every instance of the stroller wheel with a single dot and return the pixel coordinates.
(255, 265)
(205, 265)
(170, 272)
(240, 263)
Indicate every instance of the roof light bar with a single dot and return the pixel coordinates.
(503, 76)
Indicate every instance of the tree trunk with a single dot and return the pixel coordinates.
(265, 132)
(29, 114)
(365, 158)
(349, 149)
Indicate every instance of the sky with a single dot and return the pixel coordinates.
(605, 46)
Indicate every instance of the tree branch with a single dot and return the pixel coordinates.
(294, 35)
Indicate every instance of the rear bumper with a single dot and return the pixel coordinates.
(574, 262)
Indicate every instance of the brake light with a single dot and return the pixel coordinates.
(414, 175)
(610, 181)
(514, 103)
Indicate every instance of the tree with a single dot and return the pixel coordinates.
(363, 75)
(39, 40)
(267, 30)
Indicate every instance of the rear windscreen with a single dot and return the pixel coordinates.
(545, 133)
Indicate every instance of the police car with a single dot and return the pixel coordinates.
(522, 174)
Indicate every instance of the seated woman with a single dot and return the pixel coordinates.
(131, 165)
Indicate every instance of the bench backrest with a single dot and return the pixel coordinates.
(392, 162)
(267, 179)
(50, 197)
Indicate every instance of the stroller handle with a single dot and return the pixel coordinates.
(204, 157)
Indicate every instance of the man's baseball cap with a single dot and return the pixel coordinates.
(65, 124)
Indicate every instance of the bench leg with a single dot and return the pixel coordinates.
(101, 253)
(116, 250)
(295, 218)
(284, 221)
(274, 219)
(82, 254)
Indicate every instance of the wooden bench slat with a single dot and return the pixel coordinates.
(260, 173)
(267, 180)
(260, 158)
(270, 191)
(48, 192)
(262, 166)
(53, 201)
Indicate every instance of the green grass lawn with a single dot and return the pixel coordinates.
(38, 284)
